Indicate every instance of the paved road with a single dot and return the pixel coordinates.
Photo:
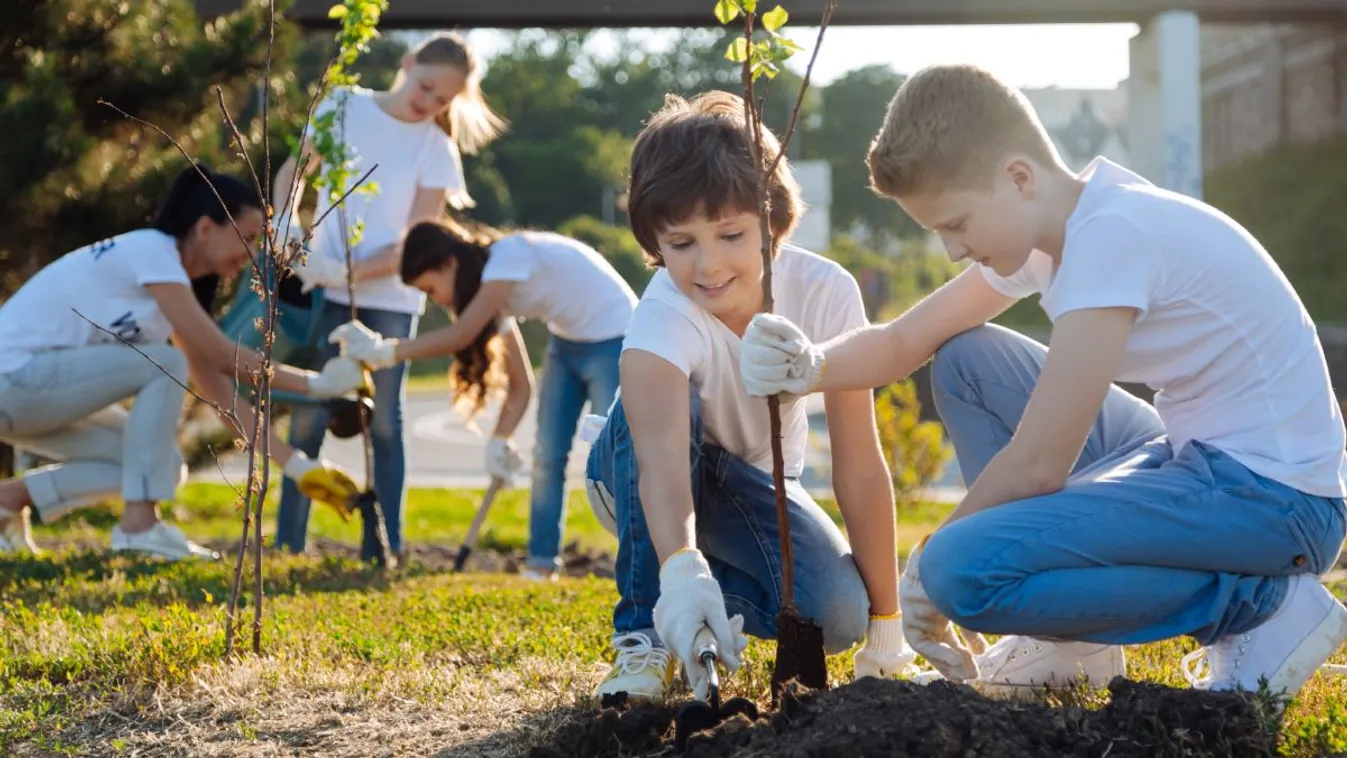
(443, 452)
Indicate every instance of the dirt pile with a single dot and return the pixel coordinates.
(874, 717)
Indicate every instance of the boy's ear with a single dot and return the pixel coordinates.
(408, 61)
(1022, 175)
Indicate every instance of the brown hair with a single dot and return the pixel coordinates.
(947, 127)
(468, 120)
(478, 368)
(695, 156)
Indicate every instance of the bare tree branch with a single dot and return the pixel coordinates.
(342, 199)
(194, 165)
(808, 71)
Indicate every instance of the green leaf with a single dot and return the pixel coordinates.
(789, 44)
(726, 11)
(775, 18)
(764, 68)
(737, 51)
(748, 5)
(337, 12)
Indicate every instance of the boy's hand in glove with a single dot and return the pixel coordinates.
(689, 599)
(777, 358)
(885, 653)
(928, 632)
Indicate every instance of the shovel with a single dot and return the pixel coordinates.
(470, 541)
(697, 715)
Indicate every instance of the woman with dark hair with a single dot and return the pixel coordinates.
(485, 279)
(124, 318)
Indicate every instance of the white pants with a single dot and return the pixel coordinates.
(63, 405)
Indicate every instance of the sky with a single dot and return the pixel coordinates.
(1090, 56)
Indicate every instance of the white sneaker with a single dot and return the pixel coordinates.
(1287, 648)
(16, 532)
(163, 540)
(643, 671)
(538, 575)
(1018, 665)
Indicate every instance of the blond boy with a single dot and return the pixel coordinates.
(1094, 520)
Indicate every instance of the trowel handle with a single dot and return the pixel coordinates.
(704, 646)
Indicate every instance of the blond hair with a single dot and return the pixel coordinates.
(947, 128)
(695, 156)
(468, 120)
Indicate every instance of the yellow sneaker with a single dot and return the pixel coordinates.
(643, 671)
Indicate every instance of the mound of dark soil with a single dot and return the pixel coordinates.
(873, 717)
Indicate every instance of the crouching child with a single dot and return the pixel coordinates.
(682, 469)
(1095, 520)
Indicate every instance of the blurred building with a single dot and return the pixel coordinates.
(1084, 122)
(1265, 85)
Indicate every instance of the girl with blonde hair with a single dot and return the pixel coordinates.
(411, 135)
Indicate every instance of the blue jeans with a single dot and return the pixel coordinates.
(1144, 542)
(308, 426)
(735, 509)
(572, 373)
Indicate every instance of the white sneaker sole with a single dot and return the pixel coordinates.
(1310, 655)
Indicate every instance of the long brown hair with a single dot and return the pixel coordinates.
(468, 120)
(479, 368)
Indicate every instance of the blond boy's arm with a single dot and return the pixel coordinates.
(877, 355)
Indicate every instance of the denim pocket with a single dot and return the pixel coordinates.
(1317, 524)
(601, 503)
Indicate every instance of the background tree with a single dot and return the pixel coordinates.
(73, 170)
(852, 107)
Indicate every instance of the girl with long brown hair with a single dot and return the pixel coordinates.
(487, 278)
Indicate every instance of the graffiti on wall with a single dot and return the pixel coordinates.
(1183, 170)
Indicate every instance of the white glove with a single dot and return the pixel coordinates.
(777, 358)
(927, 631)
(318, 270)
(340, 376)
(365, 345)
(885, 653)
(502, 461)
(690, 599)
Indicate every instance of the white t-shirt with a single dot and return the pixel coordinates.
(105, 282)
(1222, 337)
(564, 282)
(815, 293)
(405, 157)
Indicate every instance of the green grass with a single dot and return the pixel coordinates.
(105, 656)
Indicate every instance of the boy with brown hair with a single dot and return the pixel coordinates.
(1095, 520)
(682, 469)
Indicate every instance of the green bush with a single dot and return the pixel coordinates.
(916, 449)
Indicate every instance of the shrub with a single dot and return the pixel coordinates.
(916, 449)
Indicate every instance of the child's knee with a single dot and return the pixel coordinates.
(170, 360)
(948, 357)
(955, 577)
(842, 610)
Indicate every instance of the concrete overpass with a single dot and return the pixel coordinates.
(1164, 88)
(514, 14)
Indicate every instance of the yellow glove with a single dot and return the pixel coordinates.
(324, 483)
